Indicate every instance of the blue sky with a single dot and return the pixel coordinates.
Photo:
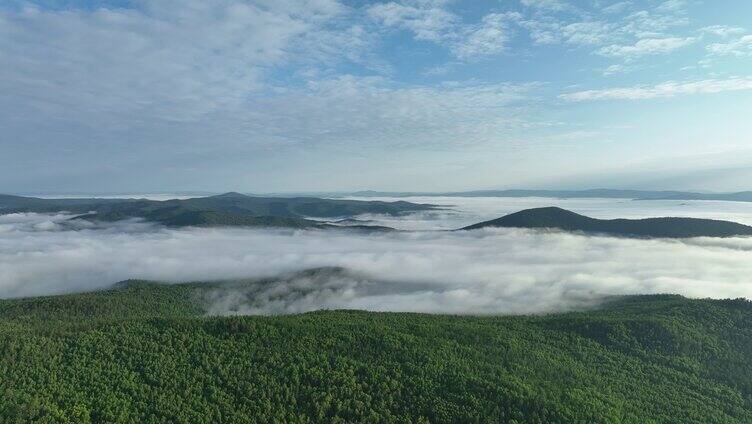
(295, 95)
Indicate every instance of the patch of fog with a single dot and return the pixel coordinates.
(484, 271)
(35, 222)
(337, 288)
(464, 211)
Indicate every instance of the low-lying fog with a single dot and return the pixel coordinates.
(465, 211)
(485, 271)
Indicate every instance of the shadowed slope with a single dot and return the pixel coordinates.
(553, 217)
(229, 209)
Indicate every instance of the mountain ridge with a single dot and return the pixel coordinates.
(227, 209)
(664, 227)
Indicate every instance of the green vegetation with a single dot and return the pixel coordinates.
(144, 352)
(183, 218)
(229, 209)
(651, 227)
(235, 209)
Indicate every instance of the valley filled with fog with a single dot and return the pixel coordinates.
(463, 211)
(420, 269)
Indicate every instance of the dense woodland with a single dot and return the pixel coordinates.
(553, 217)
(144, 352)
(229, 209)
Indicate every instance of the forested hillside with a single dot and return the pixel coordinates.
(145, 352)
(667, 227)
(229, 209)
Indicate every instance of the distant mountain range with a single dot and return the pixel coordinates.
(229, 209)
(239, 210)
(562, 219)
(744, 196)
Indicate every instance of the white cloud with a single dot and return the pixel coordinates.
(169, 60)
(602, 25)
(739, 47)
(618, 7)
(666, 89)
(489, 37)
(551, 31)
(471, 210)
(203, 79)
(429, 21)
(488, 271)
(651, 24)
(593, 32)
(426, 20)
(372, 111)
(672, 5)
(442, 69)
(646, 46)
(614, 69)
(543, 31)
(722, 30)
(554, 5)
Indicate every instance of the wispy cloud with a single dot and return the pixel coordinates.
(489, 37)
(614, 69)
(646, 46)
(739, 47)
(672, 5)
(427, 20)
(163, 61)
(106, 88)
(652, 23)
(666, 89)
(553, 5)
(203, 74)
(551, 31)
(723, 30)
(618, 7)
(430, 21)
(607, 27)
(372, 111)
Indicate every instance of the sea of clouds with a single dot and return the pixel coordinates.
(485, 271)
(464, 211)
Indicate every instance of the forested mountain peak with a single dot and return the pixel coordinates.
(669, 227)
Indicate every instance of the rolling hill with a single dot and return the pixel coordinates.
(146, 352)
(562, 219)
(229, 209)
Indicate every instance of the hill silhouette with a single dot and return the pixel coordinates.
(229, 209)
(670, 227)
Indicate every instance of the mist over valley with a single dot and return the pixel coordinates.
(420, 268)
(375, 211)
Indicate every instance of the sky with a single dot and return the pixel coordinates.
(328, 95)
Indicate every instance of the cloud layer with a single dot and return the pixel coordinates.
(488, 271)
(666, 89)
(201, 95)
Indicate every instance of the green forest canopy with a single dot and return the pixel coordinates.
(145, 352)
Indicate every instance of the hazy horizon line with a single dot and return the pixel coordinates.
(201, 193)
